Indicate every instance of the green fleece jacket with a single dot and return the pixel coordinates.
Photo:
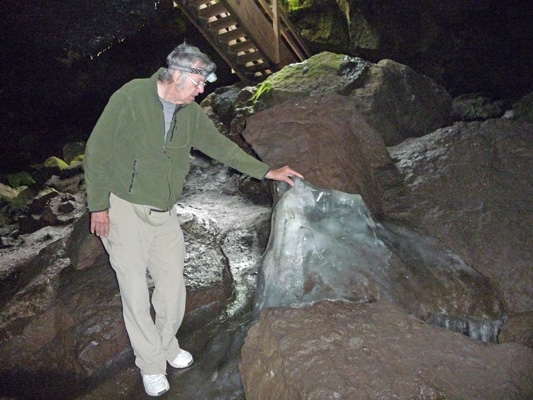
(127, 153)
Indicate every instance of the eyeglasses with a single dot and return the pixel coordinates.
(199, 85)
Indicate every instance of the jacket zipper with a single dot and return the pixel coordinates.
(133, 174)
(169, 206)
(168, 171)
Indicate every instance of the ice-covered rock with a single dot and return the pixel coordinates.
(326, 245)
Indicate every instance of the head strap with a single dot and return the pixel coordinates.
(209, 76)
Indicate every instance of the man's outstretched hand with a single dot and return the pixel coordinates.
(283, 174)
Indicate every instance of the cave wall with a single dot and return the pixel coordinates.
(62, 60)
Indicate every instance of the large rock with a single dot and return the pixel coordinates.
(375, 351)
(326, 139)
(220, 241)
(62, 318)
(400, 103)
(84, 249)
(470, 186)
(395, 100)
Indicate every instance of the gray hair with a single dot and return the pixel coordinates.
(186, 56)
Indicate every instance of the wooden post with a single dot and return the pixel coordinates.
(275, 24)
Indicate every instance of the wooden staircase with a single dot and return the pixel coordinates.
(254, 37)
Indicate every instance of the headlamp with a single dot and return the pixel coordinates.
(209, 76)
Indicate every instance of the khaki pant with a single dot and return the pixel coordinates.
(142, 239)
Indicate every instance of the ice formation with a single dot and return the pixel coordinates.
(325, 244)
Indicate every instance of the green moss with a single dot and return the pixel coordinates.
(20, 179)
(320, 67)
(320, 74)
(55, 162)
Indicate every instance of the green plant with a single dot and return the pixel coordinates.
(263, 89)
(294, 5)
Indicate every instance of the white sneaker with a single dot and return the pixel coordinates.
(183, 360)
(155, 385)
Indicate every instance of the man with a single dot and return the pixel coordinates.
(136, 161)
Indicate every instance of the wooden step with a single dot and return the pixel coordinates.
(198, 4)
(252, 56)
(233, 34)
(222, 23)
(258, 67)
(212, 11)
(241, 46)
(259, 74)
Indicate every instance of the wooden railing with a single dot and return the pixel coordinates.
(254, 37)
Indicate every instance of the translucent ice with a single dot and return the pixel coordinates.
(325, 244)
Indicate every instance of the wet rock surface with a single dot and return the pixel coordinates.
(338, 350)
(469, 185)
